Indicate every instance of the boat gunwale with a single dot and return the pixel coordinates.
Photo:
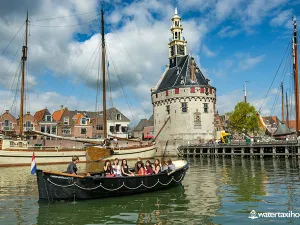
(123, 177)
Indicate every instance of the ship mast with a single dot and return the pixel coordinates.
(103, 75)
(282, 102)
(24, 58)
(296, 81)
(287, 111)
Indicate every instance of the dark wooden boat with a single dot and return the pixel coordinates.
(63, 186)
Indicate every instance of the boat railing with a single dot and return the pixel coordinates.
(57, 148)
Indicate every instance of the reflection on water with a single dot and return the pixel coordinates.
(214, 191)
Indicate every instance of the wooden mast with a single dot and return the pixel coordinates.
(296, 80)
(103, 75)
(24, 58)
(287, 111)
(282, 102)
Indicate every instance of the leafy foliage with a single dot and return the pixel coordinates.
(243, 119)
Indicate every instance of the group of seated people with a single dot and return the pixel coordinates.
(116, 170)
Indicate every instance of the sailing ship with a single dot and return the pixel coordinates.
(17, 152)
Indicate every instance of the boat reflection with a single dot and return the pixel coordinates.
(138, 209)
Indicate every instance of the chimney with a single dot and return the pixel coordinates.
(192, 69)
(28, 113)
(7, 111)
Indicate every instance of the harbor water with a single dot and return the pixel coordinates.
(214, 191)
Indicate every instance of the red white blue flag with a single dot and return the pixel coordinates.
(33, 165)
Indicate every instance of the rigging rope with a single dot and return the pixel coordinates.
(5, 75)
(121, 85)
(59, 17)
(12, 39)
(72, 25)
(87, 80)
(120, 41)
(274, 77)
(82, 73)
(284, 72)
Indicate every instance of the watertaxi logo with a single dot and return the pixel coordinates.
(253, 215)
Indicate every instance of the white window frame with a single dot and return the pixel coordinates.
(64, 129)
(66, 120)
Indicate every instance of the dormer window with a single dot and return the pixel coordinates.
(66, 120)
(83, 121)
(48, 118)
(118, 117)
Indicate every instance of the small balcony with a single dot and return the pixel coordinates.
(7, 128)
(29, 128)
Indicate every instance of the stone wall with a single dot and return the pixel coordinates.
(192, 126)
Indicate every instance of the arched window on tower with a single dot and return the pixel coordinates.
(176, 23)
(179, 35)
(176, 36)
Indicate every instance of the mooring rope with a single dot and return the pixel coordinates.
(123, 185)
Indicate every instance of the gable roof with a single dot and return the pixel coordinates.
(143, 123)
(181, 73)
(39, 115)
(282, 130)
(151, 121)
(111, 114)
(58, 114)
(269, 120)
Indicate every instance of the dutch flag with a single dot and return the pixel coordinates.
(33, 165)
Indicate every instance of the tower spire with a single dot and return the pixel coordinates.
(177, 44)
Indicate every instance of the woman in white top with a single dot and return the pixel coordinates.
(116, 167)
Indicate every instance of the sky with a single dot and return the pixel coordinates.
(234, 42)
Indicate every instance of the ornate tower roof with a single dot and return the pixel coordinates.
(182, 69)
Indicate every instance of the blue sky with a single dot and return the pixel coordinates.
(233, 41)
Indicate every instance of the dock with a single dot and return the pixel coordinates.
(262, 149)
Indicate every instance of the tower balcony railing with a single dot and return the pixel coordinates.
(178, 39)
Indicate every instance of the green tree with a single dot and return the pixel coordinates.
(243, 119)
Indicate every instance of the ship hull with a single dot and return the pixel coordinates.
(42, 157)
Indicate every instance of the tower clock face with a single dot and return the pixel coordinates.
(180, 49)
(172, 50)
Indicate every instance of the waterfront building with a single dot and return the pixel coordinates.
(45, 121)
(89, 124)
(145, 129)
(183, 99)
(138, 131)
(8, 123)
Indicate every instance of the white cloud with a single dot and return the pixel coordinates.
(282, 18)
(229, 31)
(207, 51)
(246, 61)
(257, 10)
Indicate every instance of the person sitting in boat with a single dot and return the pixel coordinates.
(108, 169)
(72, 168)
(141, 169)
(171, 166)
(156, 166)
(125, 170)
(116, 167)
(136, 164)
(164, 166)
(149, 170)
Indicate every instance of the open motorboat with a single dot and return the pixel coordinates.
(64, 186)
